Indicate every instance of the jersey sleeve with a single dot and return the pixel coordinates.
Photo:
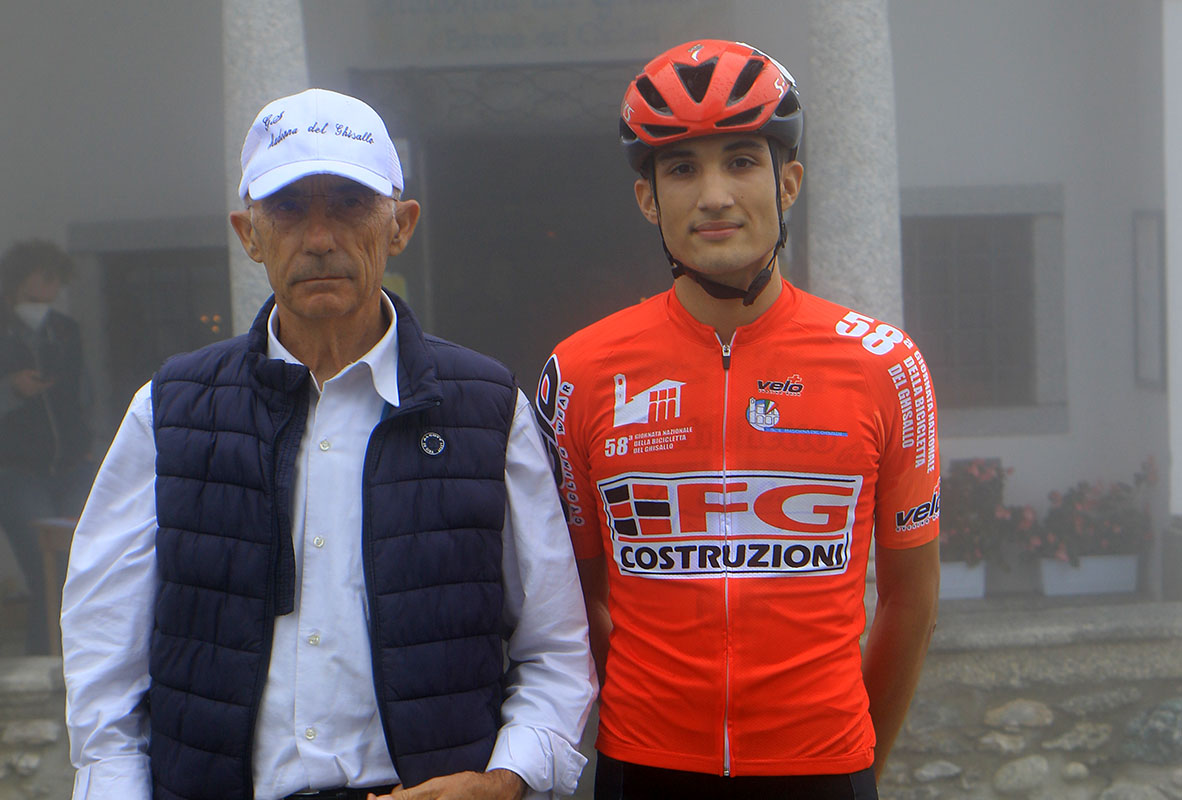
(907, 501)
(560, 408)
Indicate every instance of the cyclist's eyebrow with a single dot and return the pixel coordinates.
(672, 155)
(745, 144)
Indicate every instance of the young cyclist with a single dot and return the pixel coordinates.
(727, 449)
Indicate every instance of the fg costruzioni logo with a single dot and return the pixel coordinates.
(775, 524)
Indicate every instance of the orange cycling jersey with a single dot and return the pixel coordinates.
(734, 489)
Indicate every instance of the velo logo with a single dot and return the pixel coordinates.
(920, 515)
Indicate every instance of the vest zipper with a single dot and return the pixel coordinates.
(367, 571)
(368, 563)
(726, 584)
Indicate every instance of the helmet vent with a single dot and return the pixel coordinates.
(788, 106)
(651, 95)
(697, 78)
(661, 131)
(742, 118)
(745, 80)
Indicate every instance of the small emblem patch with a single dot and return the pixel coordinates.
(432, 443)
(764, 416)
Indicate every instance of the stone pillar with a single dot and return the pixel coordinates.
(1172, 85)
(851, 159)
(263, 57)
(1172, 112)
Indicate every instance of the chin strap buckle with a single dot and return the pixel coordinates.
(721, 290)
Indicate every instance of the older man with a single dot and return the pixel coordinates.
(307, 544)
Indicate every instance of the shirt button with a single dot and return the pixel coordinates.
(309, 733)
(325, 444)
(314, 639)
(318, 541)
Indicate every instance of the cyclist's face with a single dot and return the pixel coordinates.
(324, 241)
(718, 203)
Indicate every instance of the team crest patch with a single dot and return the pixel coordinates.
(658, 403)
(763, 415)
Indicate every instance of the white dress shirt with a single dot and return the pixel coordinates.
(318, 724)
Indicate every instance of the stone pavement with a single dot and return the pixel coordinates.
(34, 751)
(1075, 699)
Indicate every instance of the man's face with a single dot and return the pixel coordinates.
(324, 241)
(717, 198)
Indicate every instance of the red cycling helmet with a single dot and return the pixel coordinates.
(705, 87)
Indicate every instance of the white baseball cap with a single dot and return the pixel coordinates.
(316, 132)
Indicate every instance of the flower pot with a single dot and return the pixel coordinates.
(1094, 575)
(1014, 573)
(959, 580)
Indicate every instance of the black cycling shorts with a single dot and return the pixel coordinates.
(621, 780)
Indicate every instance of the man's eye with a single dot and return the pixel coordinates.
(744, 161)
(680, 169)
(353, 204)
(287, 206)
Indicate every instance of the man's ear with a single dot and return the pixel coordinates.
(647, 200)
(402, 224)
(791, 176)
(243, 225)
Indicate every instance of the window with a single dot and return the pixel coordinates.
(983, 297)
(968, 290)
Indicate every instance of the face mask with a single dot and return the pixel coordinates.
(32, 314)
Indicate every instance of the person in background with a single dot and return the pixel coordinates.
(325, 559)
(44, 423)
(726, 450)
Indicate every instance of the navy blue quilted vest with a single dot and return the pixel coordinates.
(228, 424)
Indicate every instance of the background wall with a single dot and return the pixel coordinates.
(114, 142)
(113, 112)
(1065, 94)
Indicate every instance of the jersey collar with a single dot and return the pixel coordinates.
(766, 324)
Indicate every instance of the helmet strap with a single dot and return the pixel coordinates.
(713, 288)
(776, 166)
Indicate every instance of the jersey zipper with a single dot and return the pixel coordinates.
(726, 584)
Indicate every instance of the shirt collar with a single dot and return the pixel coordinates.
(382, 358)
